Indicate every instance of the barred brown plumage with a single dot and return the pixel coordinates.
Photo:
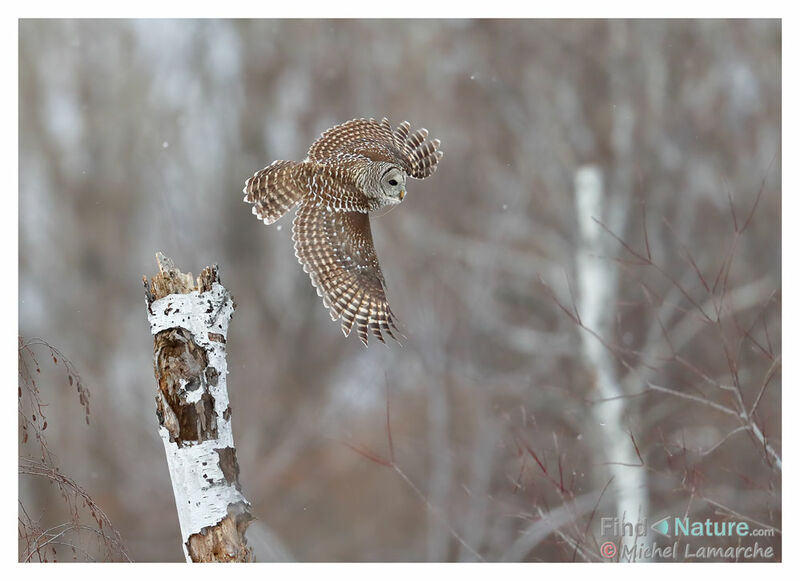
(274, 190)
(351, 170)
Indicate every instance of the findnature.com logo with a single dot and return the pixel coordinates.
(681, 526)
(686, 531)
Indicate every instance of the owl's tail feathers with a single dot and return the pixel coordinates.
(275, 190)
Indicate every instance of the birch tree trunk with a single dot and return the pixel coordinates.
(189, 320)
(597, 296)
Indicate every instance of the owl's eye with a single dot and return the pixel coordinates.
(393, 182)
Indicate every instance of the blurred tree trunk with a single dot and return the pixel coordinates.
(597, 295)
(190, 322)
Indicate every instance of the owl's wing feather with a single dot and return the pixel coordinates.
(421, 156)
(364, 137)
(336, 250)
(376, 141)
(275, 190)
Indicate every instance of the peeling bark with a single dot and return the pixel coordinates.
(190, 322)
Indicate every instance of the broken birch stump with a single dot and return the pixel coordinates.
(189, 320)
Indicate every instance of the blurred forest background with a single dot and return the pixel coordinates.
(558, 368)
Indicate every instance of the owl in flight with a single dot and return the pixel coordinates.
(353, 169)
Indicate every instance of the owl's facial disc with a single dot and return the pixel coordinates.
(393, 184)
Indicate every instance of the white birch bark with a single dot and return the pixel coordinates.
(194, 414)
(597, 289)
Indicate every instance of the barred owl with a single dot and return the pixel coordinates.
(353, 169)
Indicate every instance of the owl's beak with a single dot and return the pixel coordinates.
(402, 194)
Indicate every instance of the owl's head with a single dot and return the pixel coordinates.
(391, 187)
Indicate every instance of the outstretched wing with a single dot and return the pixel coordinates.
(375, 140)
(276, 189)
(336, 250)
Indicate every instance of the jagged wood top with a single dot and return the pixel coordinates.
(171, 281)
